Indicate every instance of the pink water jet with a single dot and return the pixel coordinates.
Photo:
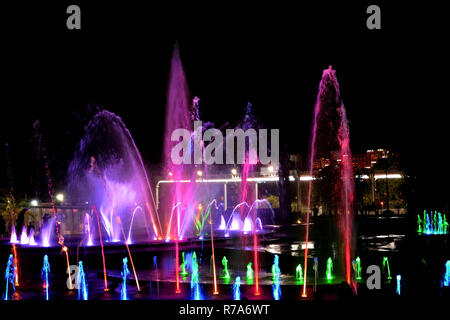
(330, 133)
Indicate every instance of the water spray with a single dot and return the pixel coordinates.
(125, 272)
(10, 274)
(81, 282)
(44, 276)
(65, 250)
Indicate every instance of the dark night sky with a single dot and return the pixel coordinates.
(394, 82)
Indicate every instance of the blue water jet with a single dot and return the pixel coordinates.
(44, 276)
(195, 287)
(447, 274)
(81, 282)
(124, 273)
(276, 267)
(399, 279)
(237, 289)
(10, 276)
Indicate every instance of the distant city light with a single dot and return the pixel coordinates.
(170, 174)
(270, 169)
(310, 245)
(233, 171)
(60, 197)
(199, 173)
(34, 203)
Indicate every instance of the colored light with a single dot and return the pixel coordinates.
(399, 278)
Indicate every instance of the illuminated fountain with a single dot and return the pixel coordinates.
(246, 226)
(125, 272)
(329, 272)
(108, 172)
(299, 274)
(24, 237)
(47, 231)
(276, 289)
(276, 272)
(44, 276)
(237, 289)
(10, 274)
(432, 223)
(249, 273)
(276, 268)
(330, 132)
(155, 267)
(195, 287)
(358, 268)
(386, 268)
(87, 230)
(32, 241)
(183, 265)
(398, 287)
(13, 238)
(225, 272)
(447, 274)
(81, 282)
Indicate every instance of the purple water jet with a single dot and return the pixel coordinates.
(108, 170)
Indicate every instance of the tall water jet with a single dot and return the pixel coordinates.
(237, 289)
(81, 282)
(178, 116)
(125, 272)
(44, 276)
(10, 274)
(330, 133)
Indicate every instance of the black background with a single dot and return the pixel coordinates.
(394, 81)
